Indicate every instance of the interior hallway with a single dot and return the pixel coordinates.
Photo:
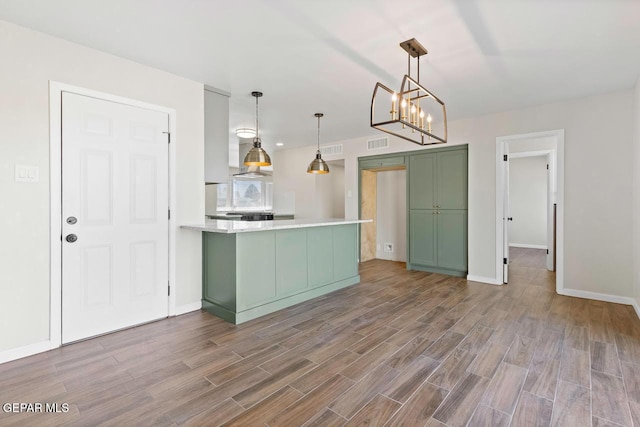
(401, 348)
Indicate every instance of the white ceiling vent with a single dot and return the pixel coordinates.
(374, 144)
(331, 150)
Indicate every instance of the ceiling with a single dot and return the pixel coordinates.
(326, 56)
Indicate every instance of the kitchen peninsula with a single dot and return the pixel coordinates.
(255, 268)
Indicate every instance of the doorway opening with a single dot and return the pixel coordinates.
(383, 198)
(529, 207)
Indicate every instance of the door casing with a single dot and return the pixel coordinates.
(55, 197)
(501, 150)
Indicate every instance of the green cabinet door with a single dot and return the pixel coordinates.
(451, 180)
(345, 249)
(255, 268)
(291, 261)
(422, 174)
(452, 239)
(319, 256)
(422, 238)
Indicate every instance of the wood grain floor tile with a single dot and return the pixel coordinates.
(572, 405)
(542, 378)
(532, 411)
(328, 418)
(452, 369)
(405, 384)
(599, 422)
(313, 403)
(460, 404)
(521, 351)
(631, 374)
(408, 353)
(375, 413)
(440, 349)
(488, 360)
(359, 395)
(608, 398)
(574, 367)
(367, 362)
(328, 369)
(489, 417)
(267, 408)
(420, 407)
(576, 337)
(604, 358)
(263, 388)
(504, 389)
(284, 367)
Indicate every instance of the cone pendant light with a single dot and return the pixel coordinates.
(257, 156)
(318, 165)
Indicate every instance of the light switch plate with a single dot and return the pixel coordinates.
(27, 173)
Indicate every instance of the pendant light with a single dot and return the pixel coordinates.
(257, 156)
(318, 165)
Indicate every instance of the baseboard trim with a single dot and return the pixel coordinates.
(526, 246)
(636, 307)
(598, 296)
(489, 280)
(188, 308)
(25, 351)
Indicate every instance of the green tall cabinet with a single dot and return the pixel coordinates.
(437, 190)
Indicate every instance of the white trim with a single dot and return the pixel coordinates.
(598, 296)
(527, 246)
(500, 179)
(27, 350)
(188, 308)
(636, 306)
(55, 190)
(522, 154)
(480, 279)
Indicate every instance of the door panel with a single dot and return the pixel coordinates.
(422, 226)
(452, 238)
(291, 261)
(345, 263)
(422, 173)
(320, 256)
(452, 180)
(115, 182)
(256, 268)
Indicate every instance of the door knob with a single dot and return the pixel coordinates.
(71, 238)
(72, 220)
(510, 218)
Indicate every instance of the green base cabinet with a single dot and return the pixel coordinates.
(250, 274)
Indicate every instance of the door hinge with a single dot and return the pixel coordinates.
(547, 251)
(504, 261)
(547, 167)
(169, 290)
(169, 214)
(505, 157)
(168, 137)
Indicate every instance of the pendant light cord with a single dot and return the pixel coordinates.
(257, 129)
(318, 134)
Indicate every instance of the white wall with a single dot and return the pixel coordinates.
(636, 196)
(598, 176)
(528, 201)
(391, 214)
(330, 192)
(31, 60)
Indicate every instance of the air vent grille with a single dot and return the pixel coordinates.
(375, 144)
(331, 150)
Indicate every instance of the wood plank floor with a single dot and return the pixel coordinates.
(401, 348)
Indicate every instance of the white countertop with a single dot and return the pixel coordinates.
(225, 226)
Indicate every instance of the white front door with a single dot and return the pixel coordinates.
(114, 216)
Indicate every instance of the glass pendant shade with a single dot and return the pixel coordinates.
(257, 156)
(318, 165)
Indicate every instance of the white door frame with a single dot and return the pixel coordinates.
(55, 197)
(501, 150)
